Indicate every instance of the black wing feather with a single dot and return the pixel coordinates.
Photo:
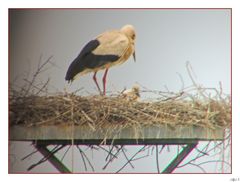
(78, 65)
(86, 59)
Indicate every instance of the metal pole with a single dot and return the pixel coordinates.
(52, 159)
(179, 158)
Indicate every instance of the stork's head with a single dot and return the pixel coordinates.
(130, 32)
(136, 88)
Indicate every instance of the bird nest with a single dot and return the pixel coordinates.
(32, 105)
(97, 111)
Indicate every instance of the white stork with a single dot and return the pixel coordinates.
(106, 50)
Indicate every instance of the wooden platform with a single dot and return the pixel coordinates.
(43, 136)
(83, 135)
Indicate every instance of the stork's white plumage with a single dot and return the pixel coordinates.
(108, 49)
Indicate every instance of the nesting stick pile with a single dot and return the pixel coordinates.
(96, 111)
(32, 105)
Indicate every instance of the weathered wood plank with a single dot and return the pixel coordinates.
(21, 133)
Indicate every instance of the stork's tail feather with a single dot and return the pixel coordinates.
(69, 77)
(75, 68)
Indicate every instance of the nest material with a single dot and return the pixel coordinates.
(97, 111)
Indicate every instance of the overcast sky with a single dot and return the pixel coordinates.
(165, 40)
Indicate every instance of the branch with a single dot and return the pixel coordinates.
(131, 159)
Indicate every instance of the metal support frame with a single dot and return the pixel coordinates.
(52, 159)
(64, 135)
(179, 158)
(41, 146)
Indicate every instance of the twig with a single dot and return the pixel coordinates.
(65, 153)
(39, 89)
(182, 81)
(110, 151)
(190, 71)
(131, 159)
(113, 155)
(211, 161)
(39, 69)
(85, 156)
(111, 159)
(81, 152)
(126, 157)
(45, 158)
(29, 155)
(196, 165)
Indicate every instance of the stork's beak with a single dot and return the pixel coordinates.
(134, 56)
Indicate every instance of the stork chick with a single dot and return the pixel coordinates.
(132, 94)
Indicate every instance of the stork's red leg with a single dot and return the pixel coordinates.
(104, 81)
(95, 80)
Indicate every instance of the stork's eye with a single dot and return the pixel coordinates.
(133, 36)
